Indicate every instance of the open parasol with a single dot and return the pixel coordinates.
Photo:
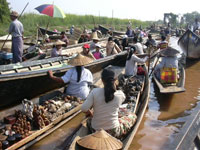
(51, 10)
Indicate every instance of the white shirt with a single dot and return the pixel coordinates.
(131, 65)
(78, 89)
(169, 62)
(16, 28)
(139, 48)
(105, 114)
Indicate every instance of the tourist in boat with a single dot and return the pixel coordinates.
(150, 41)
(131, 62)
(86, 51)
(163, 44)
(64, 38)
(97, 54)
(111, 47)
(95, 40)
(105, 103)
(16, 30)
(125, 42)
(78, 77)
(138, 46)
(57, 49)
(168, 60)
(196, 25)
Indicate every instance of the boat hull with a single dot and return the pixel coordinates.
(190, 44)
(18, 86)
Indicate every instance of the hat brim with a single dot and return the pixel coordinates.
(169, 52)
(80, 60)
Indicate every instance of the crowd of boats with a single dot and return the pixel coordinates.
(47, 108)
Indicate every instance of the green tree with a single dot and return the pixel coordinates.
(4, 11)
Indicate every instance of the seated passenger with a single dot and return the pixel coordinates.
(111, 47)
(97, 54)
(131, 62)
(95, 40)
(78, 77)
(64, 38)
(57, 49)
(168, 60)
(105, 103)
(86, 51)
(163, 44)
(138, 46)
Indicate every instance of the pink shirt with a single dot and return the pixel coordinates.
(97, 55)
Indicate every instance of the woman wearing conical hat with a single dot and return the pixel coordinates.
(57, 49)
(95, 40)
(105, 103)
(78, 77)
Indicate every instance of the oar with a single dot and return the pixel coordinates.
(154, 66)
(18, 18)
(68, 141)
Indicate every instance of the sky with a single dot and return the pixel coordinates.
(144, 10)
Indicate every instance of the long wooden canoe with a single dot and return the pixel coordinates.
(140, 107)
(172, 88)
(104, 30)
(29, 80)
(190, 44)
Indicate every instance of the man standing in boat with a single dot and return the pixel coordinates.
(16, 30)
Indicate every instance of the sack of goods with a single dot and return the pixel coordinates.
(169, 75)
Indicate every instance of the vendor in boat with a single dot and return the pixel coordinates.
(97, 54)
(16, 30)
(57, 49)
(111, 47)
(163, 44)
(131, 62)
(78, 77)
(105, 103)
(64, 38)
(86, 51)
(138, 46)
(95, 40)
(168, 60)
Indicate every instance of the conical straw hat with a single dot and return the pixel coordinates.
(80, 60)
(59, 42)
(94, 36)
(100, 140)
(169, 52)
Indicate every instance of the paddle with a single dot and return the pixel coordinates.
(67, 142)
(18, 18)
(154, 66)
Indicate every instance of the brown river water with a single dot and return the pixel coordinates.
(163, 119)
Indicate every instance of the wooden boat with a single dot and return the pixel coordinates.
(190, 44)
(30, 79)
(187, 137)
(45, 31)
(171, 88)
(140, 107)
(104, 30)
(36, 135)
